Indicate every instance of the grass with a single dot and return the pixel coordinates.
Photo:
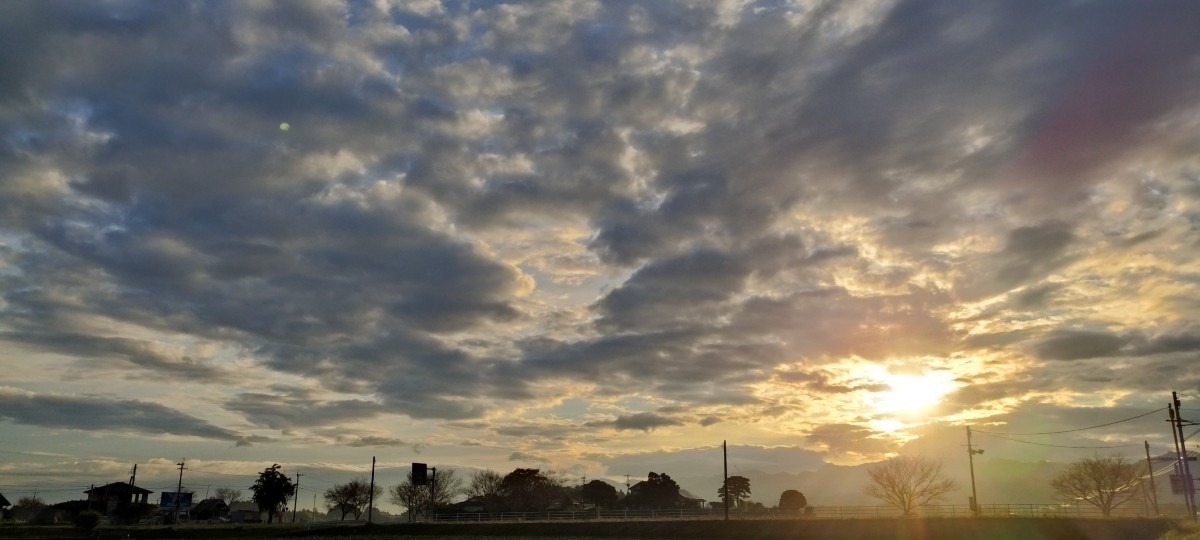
(1188, 531)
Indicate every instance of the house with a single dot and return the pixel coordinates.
(110, 495)
(472, 505)
(688, 500)
(245, 512)
(685, 499)
(4, 502)
(565, 503)
(209, 508)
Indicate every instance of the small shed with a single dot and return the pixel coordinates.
(245, 512)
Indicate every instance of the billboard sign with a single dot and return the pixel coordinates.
(171, 498)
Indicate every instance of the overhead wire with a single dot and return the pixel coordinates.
(1052, 445)
(1071, 430)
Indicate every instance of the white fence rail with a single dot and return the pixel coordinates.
(816, 512)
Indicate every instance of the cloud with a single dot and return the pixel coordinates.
(1077, 344)
(96, 413)
(643, 421)
(289, 412)
(522, 456)
(476, 210)
(840, 439)
(371, 441)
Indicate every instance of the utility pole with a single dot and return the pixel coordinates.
(1189, 488)
(179, 490)
(971, 451)
(725, 482)
(132, 483)
(1179, 458)
(432, 493)
(91, 495)
(1150, 473)
(296, 498)
(371, 499)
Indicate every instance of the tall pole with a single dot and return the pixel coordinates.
(296, 498)
(132, 483)
(1188, 486)
(432, 493)
(1150, 473)
(971, 451)
(1178, 468)
(725, 482)
(371, 499)
(179, 490)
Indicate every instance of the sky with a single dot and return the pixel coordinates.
(594, 237)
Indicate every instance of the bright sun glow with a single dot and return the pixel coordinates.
(912, 393)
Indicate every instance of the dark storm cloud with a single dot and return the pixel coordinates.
(95, 413)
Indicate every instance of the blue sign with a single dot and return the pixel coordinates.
(170, 499)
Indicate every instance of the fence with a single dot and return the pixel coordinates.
(818, 512)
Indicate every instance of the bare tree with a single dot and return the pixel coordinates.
(27, 508)
(409, 496)
(229, 495)
(1104, 482)
(425, 499)
(908, 482)
(351, 497)
(486, 485)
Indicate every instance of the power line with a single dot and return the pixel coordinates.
(1051, 445)
(1074, 430)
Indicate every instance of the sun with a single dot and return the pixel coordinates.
(908, 394)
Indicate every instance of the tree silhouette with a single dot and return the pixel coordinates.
(908, 482)
(1105, 482)
(599, 493)
(427, 498)
(271, 491)
(528, 490)
(229, 495)
(485, 485)
(738, 487)
(792, 501)
(27, 508)
(351, 497)
(658, 491)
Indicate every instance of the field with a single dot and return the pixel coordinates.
(857, 529)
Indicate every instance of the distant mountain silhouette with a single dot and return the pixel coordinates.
(999, 481)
